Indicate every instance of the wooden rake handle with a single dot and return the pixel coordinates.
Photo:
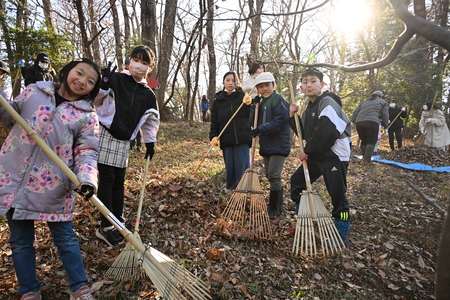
(141, 199)
(431, 111)
(94, 200)
(305, 170)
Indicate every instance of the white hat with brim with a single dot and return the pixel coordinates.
(263, 78)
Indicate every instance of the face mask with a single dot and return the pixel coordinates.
(43, 65)
(138, 70)
(425, 107)
(392, 105)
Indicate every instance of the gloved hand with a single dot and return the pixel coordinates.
(106, 75)
(431, 120)
(247, 100)
(403, 108)
(257, 99)
(256, 132)
(150, 150)
(215, 142)
(21, 63)
(86, 191)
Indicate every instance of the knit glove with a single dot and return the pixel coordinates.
(256, 132)
(247, 100)
(403, 108)
(86, 191)
(257, 99)
(106, 75)
(215, 142)
(432, 120)
(150, 150)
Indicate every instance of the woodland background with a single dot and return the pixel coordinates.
(402, 50)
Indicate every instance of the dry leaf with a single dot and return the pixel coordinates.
(421, 262)
(217, 277)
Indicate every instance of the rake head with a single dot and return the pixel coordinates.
(181, 285)
(126, 266)
(245, 216)
(305, 238)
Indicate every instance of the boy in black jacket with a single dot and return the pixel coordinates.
(327, 132)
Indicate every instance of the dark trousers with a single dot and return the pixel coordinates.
(204, 115)
(397, 132)
(136, 142)
(368, 132)
(110, 190)
(335, 176)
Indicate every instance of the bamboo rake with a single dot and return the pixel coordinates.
(312, 210)
(245, 215)
(174, 284)
(126, 266)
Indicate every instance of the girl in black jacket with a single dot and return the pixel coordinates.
(236, 139)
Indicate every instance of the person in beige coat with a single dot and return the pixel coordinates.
(432, 124)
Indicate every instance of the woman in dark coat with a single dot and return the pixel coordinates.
(237, 138)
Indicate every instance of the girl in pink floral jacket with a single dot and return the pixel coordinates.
(32, 187)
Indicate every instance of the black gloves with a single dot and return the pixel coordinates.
(106, 75)
(150, 150)
(257, 99)
(86, 191)
(256, 132)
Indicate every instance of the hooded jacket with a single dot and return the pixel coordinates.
(326, 130)
(372, 110)
(224, 106)
(29, 180)
(273, 122)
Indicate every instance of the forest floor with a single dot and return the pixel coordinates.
(391, 255)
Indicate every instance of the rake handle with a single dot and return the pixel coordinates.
(141, 198)
(305, 170)
(94, 200)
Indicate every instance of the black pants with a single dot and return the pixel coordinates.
(335, 176)
(397, 132)
(136, 142)
(368, 132)
(110, 190)
(204, 115)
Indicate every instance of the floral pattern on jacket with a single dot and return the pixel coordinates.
(29, 180)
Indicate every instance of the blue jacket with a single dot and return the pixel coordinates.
(273, 122)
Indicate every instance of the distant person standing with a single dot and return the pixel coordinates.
(254, 70)
(432, 124)
(396, 124)
(366, 116)
(3, 72)
(40, 71)
(204, 107)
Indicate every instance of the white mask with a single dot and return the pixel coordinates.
(392, 105)
(43, 65)
(425, 107)
(138, 70)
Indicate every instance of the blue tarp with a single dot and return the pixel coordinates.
(416, 166)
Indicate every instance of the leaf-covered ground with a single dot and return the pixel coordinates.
(393, 240)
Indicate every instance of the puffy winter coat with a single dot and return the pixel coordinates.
(436, 130)
(29, 181)
(224, 106)
(273, 120)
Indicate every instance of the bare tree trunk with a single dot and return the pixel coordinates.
(126, 25)
(166, 52)
(94, 31)
(48, 14)
(86, 50)
(442, 288)
(117, 34)
(255, 26)
(148, 20)
(211, 53)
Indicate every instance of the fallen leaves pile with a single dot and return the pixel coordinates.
(419, 154)
(393, 239)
